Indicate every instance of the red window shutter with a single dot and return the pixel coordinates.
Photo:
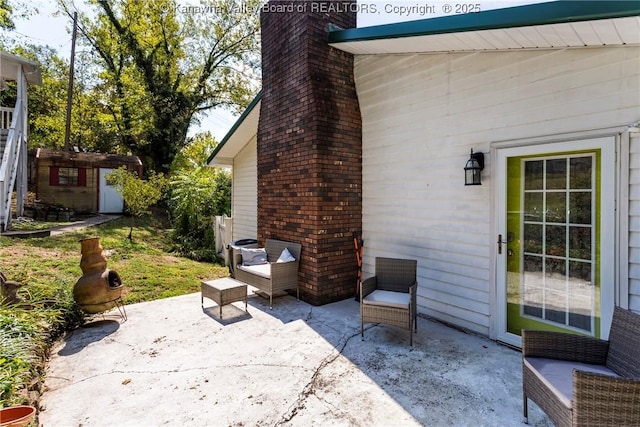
(82, 177)
(53, 176)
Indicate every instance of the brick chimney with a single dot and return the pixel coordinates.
(310, 144)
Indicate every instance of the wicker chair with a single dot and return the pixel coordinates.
(390, 296)
(579, 381)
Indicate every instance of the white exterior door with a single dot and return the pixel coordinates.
(110, 200)
(555, 243)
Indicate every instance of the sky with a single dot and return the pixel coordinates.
(379, 12)
(46, 29)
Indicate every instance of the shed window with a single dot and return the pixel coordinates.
(67, 177)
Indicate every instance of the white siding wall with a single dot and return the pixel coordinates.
(244, 206)
(422, 113)
(634, 222)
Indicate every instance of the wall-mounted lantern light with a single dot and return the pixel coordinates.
(473, 168)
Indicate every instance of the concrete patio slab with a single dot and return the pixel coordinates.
(175, 363)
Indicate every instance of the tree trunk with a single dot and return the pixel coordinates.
(131, 229)
(173, 115)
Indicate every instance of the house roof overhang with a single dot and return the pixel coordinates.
(9, 65)
(240, 133)
(549, 25)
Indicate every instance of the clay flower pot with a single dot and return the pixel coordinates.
(16, 416)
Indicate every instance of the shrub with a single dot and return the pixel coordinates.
(197, 196)
(138, 194)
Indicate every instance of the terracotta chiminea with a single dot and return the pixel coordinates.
(99, 289)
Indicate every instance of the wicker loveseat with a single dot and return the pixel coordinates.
(273, 276)
(580, 381)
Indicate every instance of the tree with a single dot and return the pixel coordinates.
(163, 62)
(196, 196)
(92, 126)
(5, 15)
(9, 10)
(195, 153)
(47, 103)
(139, 195)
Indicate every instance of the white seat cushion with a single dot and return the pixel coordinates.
(558, 374)
(388, 298)
(262, 270)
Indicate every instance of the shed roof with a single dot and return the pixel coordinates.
(555, 24)
(87, 159)
(9, 68)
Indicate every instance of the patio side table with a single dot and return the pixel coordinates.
(223, 291)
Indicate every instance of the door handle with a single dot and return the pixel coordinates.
(500, 243)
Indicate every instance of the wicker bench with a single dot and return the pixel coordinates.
(578, 380)
(277, 276)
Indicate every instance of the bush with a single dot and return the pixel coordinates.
(138, 194)
(27, 330)
(197, 196)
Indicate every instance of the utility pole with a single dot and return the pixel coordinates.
(67, 130)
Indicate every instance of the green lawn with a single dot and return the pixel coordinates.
(49, 268)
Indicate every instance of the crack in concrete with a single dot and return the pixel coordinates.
(337, 412)
(310, 388)
(169, 371)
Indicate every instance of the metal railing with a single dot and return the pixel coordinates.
(6, 116)
(13, 169)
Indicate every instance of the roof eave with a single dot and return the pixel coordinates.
(31, 68)
(519, 16)
(233, 129)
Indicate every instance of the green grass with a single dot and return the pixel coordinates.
(49, 268)
(34, 225)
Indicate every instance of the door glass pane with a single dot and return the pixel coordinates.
(580, 242)
(533, 297)
(555, 240)
(581, 299)
(580, 207)
(533, 238)
(580, 271)
(534, 173)
(581, 170)
(533, 207)
(552, 254)
(557, 207)
(555, 274)
(555, 307)
(556, 174)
